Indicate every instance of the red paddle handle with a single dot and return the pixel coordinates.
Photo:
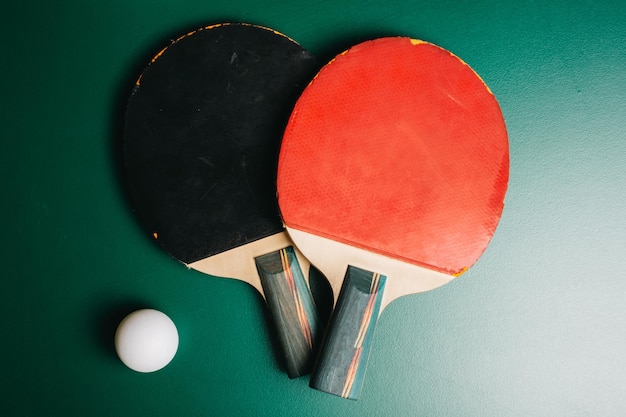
(346, 349)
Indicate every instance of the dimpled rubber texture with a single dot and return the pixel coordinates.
(399, 148)
(202, 133)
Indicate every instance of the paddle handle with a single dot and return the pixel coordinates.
(346, 348)
(292, 308)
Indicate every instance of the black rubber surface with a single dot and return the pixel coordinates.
(202, 133)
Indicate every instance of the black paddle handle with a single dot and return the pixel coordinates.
(292, 308)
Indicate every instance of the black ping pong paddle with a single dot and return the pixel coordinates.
(201, 140)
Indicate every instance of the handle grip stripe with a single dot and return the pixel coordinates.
(302, 318)
(367, 314)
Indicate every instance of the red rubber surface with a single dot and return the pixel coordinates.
(397, 147)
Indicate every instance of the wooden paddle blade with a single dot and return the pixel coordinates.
(292, 308)
(346, 349)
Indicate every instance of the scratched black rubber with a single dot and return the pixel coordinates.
(204, 122)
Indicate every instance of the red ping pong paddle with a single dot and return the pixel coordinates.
(393, 171)
(202, 133)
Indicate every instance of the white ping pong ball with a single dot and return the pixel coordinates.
(146, 340)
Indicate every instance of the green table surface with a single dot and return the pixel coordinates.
(536, 328)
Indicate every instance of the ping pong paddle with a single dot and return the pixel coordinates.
(391, 180)
(201, 139)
